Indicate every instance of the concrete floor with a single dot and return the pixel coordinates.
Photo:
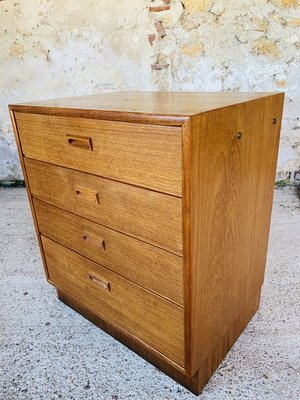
(50, 352)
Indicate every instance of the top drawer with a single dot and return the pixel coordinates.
(144, 155)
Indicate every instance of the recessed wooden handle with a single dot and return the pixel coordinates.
(81, 142)
(94, 239)
(98, 280)
(87, 194)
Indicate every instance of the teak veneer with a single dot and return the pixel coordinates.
(152, 212)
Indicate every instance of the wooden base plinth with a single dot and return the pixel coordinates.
(199, 380)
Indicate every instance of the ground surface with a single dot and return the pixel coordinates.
(47, 351)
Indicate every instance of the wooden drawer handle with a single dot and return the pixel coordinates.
(87, 194)
(94, 239)
(81, 142)
(98, 280)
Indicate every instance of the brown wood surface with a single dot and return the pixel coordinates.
(150, 216)
(221, 162)
(143, 155)
(196, 383)
(146, 265)
(159, 360)
(19, 147)
(186, 236)
(232, 183)
(161, 108)
(150, 318)
(223, 345)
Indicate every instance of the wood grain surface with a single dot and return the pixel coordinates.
(160, 361)
(20, 152)
(146, 265)
(150, 216)
(232, 184)
(143, 155)
(150, 318)
(155, 214)
(162, 108)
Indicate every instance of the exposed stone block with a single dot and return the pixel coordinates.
(266, 47)
(159, 8)
(285, 3)
(151, 38)
(160, 29)
(197, 5)
(192, 50)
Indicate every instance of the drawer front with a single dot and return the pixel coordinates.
(144, 155)
(148, 317)
(146, 265)
(150, 216)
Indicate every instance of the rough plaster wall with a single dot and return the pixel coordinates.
(60, 48)
(241, 45)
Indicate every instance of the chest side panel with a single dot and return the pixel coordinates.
(233, 157)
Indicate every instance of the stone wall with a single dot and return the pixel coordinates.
(54, 49)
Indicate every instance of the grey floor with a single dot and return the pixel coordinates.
(50, 352)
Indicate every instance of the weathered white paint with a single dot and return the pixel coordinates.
(58, 48)
(53, 48)
(241, 45)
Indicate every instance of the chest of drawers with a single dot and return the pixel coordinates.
(152, 212)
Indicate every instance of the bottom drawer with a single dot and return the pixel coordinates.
(155, 321)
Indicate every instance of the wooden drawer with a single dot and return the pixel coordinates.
(146, 265)
(144, 155)
(153, 217)
(150, 318)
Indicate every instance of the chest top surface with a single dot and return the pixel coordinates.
(168, 108)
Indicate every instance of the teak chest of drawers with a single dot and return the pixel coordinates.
(152, 212)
